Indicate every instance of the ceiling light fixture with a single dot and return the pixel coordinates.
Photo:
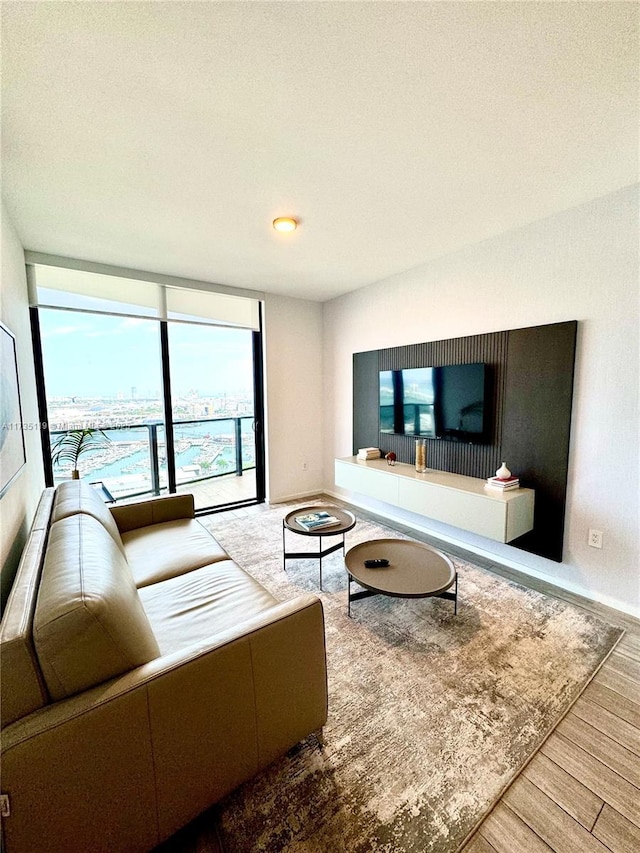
(285, 223)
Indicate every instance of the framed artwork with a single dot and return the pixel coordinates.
(12, 448)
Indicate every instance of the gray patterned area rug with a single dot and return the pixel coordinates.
(431, 715)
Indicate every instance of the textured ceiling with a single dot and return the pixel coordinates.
(167, 136)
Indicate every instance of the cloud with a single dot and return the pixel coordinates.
(64, 330)
(124, 327)
(135, 322)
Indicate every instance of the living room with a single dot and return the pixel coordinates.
(555, 240)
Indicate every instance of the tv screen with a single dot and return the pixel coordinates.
(435, 402)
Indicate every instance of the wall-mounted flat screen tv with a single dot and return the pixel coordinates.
(435, 402)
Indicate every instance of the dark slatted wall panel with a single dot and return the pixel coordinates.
(537, 417)
(531, 385)
(474, 460)
(366, 429)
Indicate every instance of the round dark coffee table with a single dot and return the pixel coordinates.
(415, 570)
(347, 522)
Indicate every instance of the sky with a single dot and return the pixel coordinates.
(99, 355)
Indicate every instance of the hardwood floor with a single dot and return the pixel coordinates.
(221, 490)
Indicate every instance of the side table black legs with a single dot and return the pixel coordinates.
(290, 555)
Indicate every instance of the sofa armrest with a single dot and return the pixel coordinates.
(154, 511)
(124, 765)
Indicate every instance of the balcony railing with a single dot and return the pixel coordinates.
(134, 463)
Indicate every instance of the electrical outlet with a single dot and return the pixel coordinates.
(595, 538)
(305, 466)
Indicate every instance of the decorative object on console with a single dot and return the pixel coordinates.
(503, 480)
(421, 455)
(503, 473)
(502, 485)
(391, 458)
(369, 453)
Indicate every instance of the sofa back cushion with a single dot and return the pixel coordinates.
(74, 496)
(22, 687)
(89, 623)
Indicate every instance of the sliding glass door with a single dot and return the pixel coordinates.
(213, 411)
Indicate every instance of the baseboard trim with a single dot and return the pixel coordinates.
(299, 496)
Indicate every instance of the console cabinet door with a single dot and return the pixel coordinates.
(375, 484)
(475, 513)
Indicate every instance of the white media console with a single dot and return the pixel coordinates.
(451, 498)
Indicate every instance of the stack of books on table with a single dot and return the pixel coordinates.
(317, 520)
(369, 453)
(502, 484)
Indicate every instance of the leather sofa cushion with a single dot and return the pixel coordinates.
(74, 496)
(89, 623)
(162, 551)
(152, 511)
(194, 607)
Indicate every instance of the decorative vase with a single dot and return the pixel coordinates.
(503, 473)
(421, 455)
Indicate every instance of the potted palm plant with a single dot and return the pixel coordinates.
(71, 445)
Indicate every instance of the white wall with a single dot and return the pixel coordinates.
(580, 265)
(18, 504)
(293, 385)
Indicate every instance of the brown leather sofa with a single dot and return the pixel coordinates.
(144, 675)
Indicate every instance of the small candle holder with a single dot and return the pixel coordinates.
(421, 455)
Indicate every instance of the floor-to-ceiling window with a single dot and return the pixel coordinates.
(174, 390)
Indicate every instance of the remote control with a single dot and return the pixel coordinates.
(376, 564)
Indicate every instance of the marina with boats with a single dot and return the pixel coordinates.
(203, 450)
